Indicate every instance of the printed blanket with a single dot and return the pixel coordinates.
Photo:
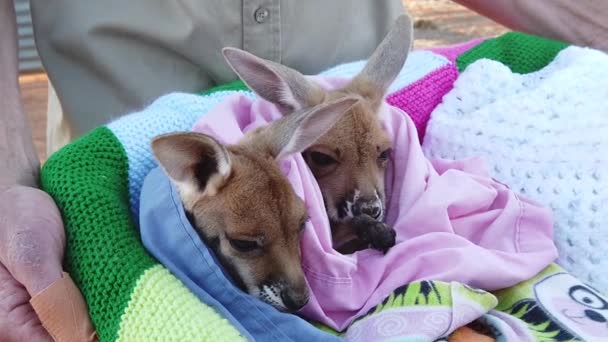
(553, 306)
(96, 182)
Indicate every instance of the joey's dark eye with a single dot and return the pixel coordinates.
(384, 155)
(244, 245)
(303, 224)
(322, 159)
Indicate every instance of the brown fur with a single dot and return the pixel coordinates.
(353, 153)
(265, 210)
(246, 210)
(356, 142)
(243, 206)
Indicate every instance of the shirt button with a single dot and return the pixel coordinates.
(261, 14)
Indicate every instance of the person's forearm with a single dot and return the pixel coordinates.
(578, 22)
(19, 162)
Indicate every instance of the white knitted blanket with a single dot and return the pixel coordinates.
(546, 135)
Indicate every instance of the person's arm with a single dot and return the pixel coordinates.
(32, 238)
(20, 162)
(20, 165)
(578, 22)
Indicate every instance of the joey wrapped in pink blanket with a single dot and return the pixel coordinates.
(453, 221)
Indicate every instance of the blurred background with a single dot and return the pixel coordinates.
(437, 22)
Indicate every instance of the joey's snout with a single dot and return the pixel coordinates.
(296, 294)
(295, 300)
(285, 297)
(371, 207)
(358, 205)
(364, 216)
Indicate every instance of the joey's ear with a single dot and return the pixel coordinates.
(196, 163)
(386, 62)
(281, 85)
(295, 133)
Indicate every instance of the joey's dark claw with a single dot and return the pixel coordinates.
(379, 235)
(383, 237)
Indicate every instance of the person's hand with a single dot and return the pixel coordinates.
(32, 241)
(18, 321)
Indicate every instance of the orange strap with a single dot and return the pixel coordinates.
(63, 312)
(466, 334)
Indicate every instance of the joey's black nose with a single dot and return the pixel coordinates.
(373, 211)
(293, 303)
(372, 208)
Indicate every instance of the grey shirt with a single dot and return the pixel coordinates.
(107, 58)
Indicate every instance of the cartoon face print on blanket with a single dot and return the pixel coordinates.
(574, 305)
(556, 306)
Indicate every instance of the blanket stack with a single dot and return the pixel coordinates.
(96, 182)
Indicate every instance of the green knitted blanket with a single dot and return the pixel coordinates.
(96, 180)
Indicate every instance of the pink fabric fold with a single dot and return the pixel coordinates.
(453, 221)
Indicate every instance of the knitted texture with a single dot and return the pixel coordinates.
(544, 133)
(180, 319)
(417, 65)
(513, 240)
(232, 86)
(419, 99)
(88, 181)
(96, 182)
(137, 129)
(454, 51)
(521, 52)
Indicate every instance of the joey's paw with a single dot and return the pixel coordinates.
(382, 237)
(378, 235)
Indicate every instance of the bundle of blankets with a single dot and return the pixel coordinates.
(531, 108)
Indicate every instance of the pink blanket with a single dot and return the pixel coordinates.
(453, 221)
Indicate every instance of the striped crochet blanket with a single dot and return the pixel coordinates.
(96, 182)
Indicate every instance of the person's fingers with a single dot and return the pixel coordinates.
(39, 301)
(32, 237)
(18, 321)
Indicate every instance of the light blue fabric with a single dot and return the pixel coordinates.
(168, 235)
(169, 113)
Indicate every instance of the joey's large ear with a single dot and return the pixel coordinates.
(196, 163)
(295, 133)
(386, 62)
(283, 86)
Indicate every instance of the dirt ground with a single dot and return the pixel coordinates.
(437, 22)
